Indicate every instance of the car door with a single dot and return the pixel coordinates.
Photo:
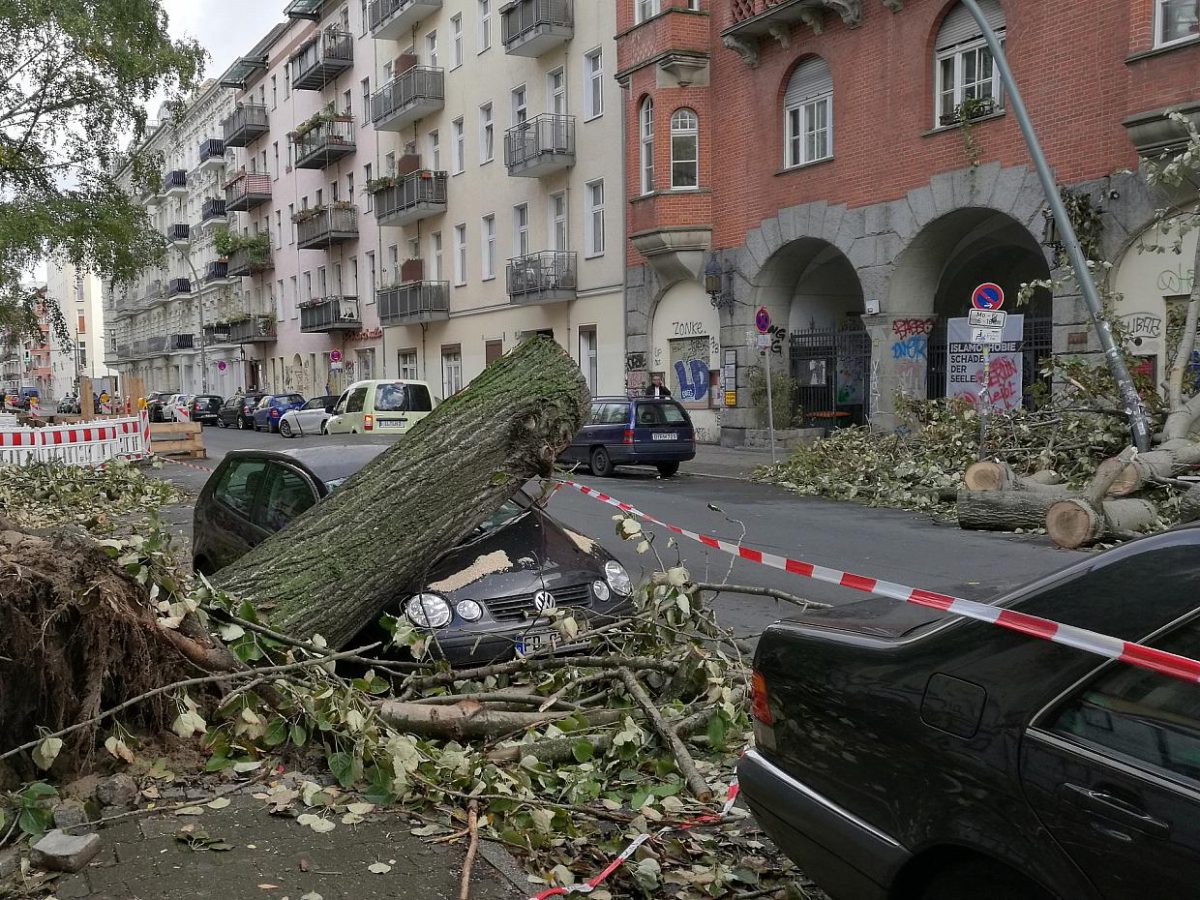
(308, 417)
(1113, 771)
(287, 492)
(228, 527)
(337, 423)
(660, 425)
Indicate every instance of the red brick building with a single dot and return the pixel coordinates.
(853, 167)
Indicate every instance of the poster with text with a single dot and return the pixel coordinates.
(964, 366)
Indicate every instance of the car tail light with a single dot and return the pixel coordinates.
(759, 708)
(628, 436)
(368, 422)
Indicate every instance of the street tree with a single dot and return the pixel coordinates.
(75, 78)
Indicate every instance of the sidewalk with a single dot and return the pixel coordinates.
(714, 461)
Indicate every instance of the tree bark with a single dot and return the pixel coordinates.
(994, 476)
(1004, 510)
(1189, 505)
(1184, 415)
(469, 719)
(1076, 523)
(338, 565)
(1147, 467)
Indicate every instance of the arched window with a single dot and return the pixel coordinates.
(646, 129)
(685, 150)
(968, 84)
(808, 114)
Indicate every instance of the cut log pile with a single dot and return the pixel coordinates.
(1115, 505)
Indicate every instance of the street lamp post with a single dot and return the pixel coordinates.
(186, 253)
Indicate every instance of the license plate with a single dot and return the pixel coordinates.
(664, 437)
(392, 423)
(538, 639)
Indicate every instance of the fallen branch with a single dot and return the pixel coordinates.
(537, 665)
(687, 766)
(760, 592)
(470, 719)
(464, 889)
(502, 697)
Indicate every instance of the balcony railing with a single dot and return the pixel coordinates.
(416, 301)
(180, 342)
(321, 60)
(415, 196)
(755, 20)
(409, 96)
(391, 19)
(332, 225)
(254, 330)
(540, 146)
(212, 212)
(247, 262)
(212, 154)
(325, 144)
(216, 334)
(533, 27)
(124, 351)
(246, 125)
(177, 286)
(146, 347)
(216, 271)
(175, 183)
(546, 277)
(330, 314)
(246, 191)
(179, 233)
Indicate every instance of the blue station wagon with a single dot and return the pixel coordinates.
(641, 431)
(271, 408)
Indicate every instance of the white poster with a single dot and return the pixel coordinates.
(964, 367)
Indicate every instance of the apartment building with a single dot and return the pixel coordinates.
(80, 297)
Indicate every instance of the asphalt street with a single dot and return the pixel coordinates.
(894, 545)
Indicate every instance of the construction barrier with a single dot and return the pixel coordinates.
(78, 443)
(178, 437)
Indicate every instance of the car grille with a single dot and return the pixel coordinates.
(515, 609)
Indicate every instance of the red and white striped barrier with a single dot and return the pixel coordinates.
(1033, 626)
(79, 444)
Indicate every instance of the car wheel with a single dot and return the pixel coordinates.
(324, 428)
(666, 470)
(983, 879)
(285, 429)
(601, 463)
(221, 423)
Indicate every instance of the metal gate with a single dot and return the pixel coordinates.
(1038, 347)
(831, 369)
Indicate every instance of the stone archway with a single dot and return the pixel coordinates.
(685, 349)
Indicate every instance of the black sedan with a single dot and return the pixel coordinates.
(238, 411)
(904, 754)
(206, 408)
(488, 598)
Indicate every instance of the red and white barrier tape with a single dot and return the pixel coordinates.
(1033, 626)
(596, 880)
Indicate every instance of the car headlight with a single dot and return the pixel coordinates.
(618, 578)
(469, 610)
(428, 611)
(600, 589)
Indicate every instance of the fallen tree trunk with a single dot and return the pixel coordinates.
(994, 476)
(469, 719)
(1146, 468)
(1076, 523)
(1189, 505)
(1004, 510)
(338, 565)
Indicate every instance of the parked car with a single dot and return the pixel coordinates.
(388, 406)
(237, 410)
(477, 618)
(633, 431)
(903, 753)
(205, 408)
(170, 406)
(271, 408)
(69, 406)
(308, 419)
(155, 403)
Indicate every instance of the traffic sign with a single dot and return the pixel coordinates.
(987, 336)
(762, 320)
(221, 366)
(987, 296)
(762, 341)
(987, 318)
(335, 356)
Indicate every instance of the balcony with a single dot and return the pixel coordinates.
(325, 144)
(534, 27)
(123, 351)
(179, 234)
(247, 124)
(754, 20)
(212, 155)
(391, 19)
(154, 291)
(330, 314)
(323, 227)
(541, 146)
(546, 277)
(146, 347)
(216, 272)
(412, 197)
(176, 342)
(212, 213)
(409, 96)
(414, 302)
(254, 330)
(248, 261)
(216, 334)
(321, 60)
(175, 184)
(246, 191)
(177, 286)
(304, 9)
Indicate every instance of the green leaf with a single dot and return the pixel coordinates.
(34, 820)
(277, 732)
(39, 789)
(341, 766)
(582, 751)
(218, 764)
(716, 732)
(299, 735)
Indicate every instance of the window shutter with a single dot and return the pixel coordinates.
(959, 25)
(810, 80)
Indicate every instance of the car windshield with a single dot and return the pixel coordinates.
(291, 398)
(660, 414)
(397, 396)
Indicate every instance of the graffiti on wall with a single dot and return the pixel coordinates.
(851, 379)
(778, 333)
(688, 329)
(905, 328)
(635, 362)
(1177, 280)
(689, 369)
(1142, 325)
(910, 353)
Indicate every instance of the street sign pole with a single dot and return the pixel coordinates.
(770, 405)
(985, 402)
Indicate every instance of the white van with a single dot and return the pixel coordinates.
(383, 406)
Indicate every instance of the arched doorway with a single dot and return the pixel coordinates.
(685, 348)
(930, 296)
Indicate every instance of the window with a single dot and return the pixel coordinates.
(685, 150)
(435, 255)
(274, 92)
(239, 484)
(460, 146)
(406, 361)
(521, 230)
(287, 82)
(644, 9)
(354, 276)
(275, 169)
(693, 5)
(399, 397)
(594, 223)
(285, 496)
(519, 112)
(593, 81)
(966, 74)
(350, 186)
(587, 357)
(393, 264)
(1176, 20)
(435, 151)
(646, 151)
(278, 229)
(363, 18)
(485, 24)
(556, 90)
(558, 222)
(460, 254)
(807, 114)
(291, 218)
(451, 371)
(371, 276)
(295, 295)
(348, 104)
(456, 41)
(366, 100)
(487, 246)
(431, 49)
(368, 197)
(389, 162)
(487, 134)
(357, 400)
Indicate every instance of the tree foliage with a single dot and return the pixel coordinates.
(77, 75)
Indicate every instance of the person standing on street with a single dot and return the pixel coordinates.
(656, 388)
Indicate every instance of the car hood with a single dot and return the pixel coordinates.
(530, 552)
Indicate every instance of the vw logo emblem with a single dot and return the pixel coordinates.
(543, 601)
